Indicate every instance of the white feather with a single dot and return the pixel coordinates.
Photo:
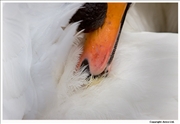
(34, 55)
(141, 85)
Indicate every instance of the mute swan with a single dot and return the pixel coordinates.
(41, 52)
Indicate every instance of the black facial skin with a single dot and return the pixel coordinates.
(92, 16)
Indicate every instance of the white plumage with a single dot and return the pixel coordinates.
(40, 56)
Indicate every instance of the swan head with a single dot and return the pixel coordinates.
(102, 24)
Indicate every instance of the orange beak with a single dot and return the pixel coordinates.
(100, 44)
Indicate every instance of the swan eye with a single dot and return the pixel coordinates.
(91, 15)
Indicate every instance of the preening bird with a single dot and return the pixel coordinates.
(62, 62)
